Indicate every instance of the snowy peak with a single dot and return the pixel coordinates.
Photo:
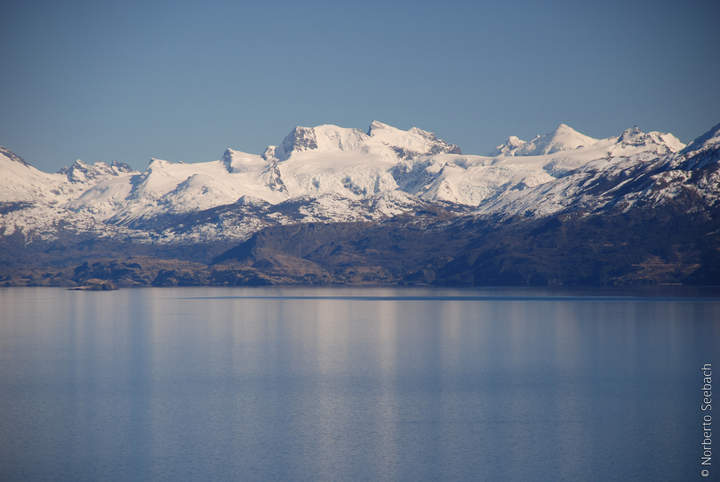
(376, 125)
(326, 138)
(300, 139)
(563, 138)
(701, 153)
(20, 181)
(10, 155)
(635, 137)
(379, 137)
(632, 136)
(510, 147)
(411, 142)
(270, 153)
(156, 163)
(708, 141)
(238, 161)
(79, 171)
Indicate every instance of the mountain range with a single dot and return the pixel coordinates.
(383, 206)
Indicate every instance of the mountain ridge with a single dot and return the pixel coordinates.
(335, 167)
(370, 181)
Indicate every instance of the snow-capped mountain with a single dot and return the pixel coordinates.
(563, 138)
(330, 173)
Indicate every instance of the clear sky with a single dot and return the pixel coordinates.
(182, 80)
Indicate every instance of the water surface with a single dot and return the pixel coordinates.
(364, 384)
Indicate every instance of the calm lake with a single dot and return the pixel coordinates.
(353, 384)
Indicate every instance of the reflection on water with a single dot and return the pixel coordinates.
(328, 384)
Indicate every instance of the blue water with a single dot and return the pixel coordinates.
(352, 384)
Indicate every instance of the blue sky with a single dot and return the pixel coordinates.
(182, 80)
